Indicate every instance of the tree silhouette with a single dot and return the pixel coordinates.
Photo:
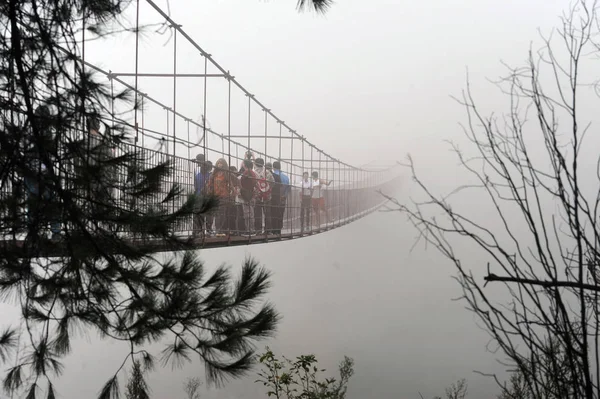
(192, 388)
(68, 161)
(136, 386)
(541, 235)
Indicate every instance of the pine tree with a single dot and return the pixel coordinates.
(52, 172)
(320, 6)
(136, 386)
(192, 388)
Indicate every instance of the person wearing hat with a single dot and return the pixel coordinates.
(200, 159)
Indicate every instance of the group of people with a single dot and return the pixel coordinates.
(253, 199)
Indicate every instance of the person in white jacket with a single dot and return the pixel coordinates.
(306, 189)
(318, 197)
(264, 185)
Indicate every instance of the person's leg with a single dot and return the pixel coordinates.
(275, 211)
(252, 219)
(231, 218)
(275, 205)
(318, 210)
(55, 224)
(268, 215)
(308, 219)
(204, 223)
(239, 218)
(258, 216)
(324, 208)
(302, 212)
(211, 222)
(271, 215)
(249, 217)
(246, 211)
(31, 187)
(221, 219)
(261, 217)
(306, 204)
(282, 208)
(196, 224)
(306, 215)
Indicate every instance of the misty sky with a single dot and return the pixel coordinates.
(370, 80)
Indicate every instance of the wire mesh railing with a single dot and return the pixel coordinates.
(272, 182)
(257, 202)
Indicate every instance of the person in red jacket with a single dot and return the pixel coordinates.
(221, 183)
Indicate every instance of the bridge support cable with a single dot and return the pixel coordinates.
(175, 110)
(233, 201)
(189, 148)
(143, 108)
(350, 195)
(174, 90)
(249, 120)
(266, 132)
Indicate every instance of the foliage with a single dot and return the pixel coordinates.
(540, 238)
(136, 386)
(549, 368)
(89, 277)
(458, 390)
(192, 388)
(517, 388)
(296, 379)
(320, 6)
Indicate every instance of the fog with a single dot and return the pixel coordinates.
(355, 291)
(370, 80)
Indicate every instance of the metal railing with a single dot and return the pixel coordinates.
(348, 192)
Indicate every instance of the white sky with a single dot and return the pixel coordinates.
(368, 81)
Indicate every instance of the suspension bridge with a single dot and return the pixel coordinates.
(195, 113)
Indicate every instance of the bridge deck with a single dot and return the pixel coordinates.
(49, 249)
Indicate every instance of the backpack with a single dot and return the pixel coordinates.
(220, 187)
(248, 182)
(263, 187)
(276, 190)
